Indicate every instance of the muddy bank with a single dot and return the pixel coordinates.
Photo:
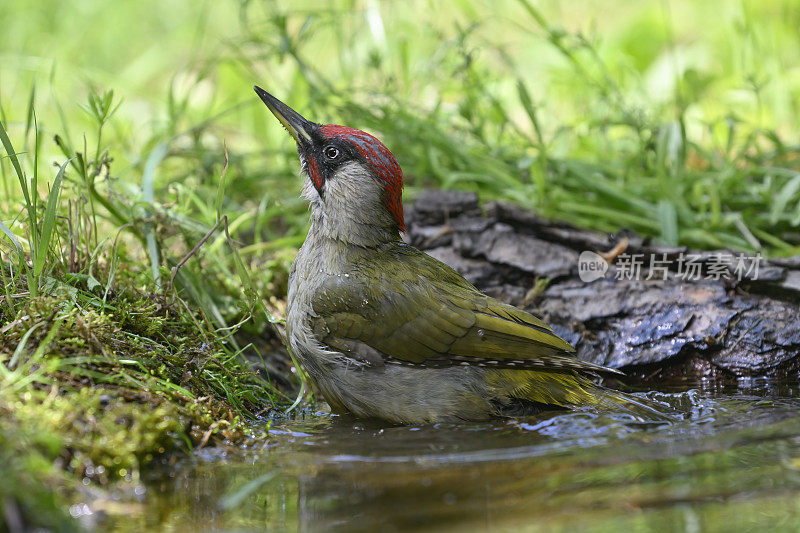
(657, 311)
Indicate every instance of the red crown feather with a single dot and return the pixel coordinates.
(381, 160)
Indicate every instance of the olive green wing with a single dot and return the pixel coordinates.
(406, 307)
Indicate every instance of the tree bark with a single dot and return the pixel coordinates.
(719, 321)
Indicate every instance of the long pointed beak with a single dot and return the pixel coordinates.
(295, 124)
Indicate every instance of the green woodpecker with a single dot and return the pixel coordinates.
(386, 331)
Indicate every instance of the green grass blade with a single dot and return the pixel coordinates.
(30, 119)
(148, 194)
(781, 199)
(234, 499)
(13, 238)
(33, 215)
(15, 163)
(149, 175)
(15, 357)
(221, 188)
(48, 223)
(668, 221)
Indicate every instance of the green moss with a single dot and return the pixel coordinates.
(102, 436)
(27, 492)
(93, 393)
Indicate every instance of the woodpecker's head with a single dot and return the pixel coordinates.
(353, 178)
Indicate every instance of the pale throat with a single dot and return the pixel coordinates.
(350, 211)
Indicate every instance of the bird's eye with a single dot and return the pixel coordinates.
(331, 152)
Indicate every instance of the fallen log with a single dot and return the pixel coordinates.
(736, 315)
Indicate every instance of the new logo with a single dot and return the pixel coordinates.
(591, 266)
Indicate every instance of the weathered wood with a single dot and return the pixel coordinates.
(715, 325)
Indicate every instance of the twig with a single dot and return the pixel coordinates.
(174, 271)
(613, 253)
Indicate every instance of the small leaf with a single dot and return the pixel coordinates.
(92, 283)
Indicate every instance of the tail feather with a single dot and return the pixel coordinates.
(572, 391)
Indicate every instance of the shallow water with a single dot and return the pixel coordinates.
(731, 463)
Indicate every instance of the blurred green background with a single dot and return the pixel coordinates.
(675, 119)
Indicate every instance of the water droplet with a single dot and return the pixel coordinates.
(480, 333)
(346, 275)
